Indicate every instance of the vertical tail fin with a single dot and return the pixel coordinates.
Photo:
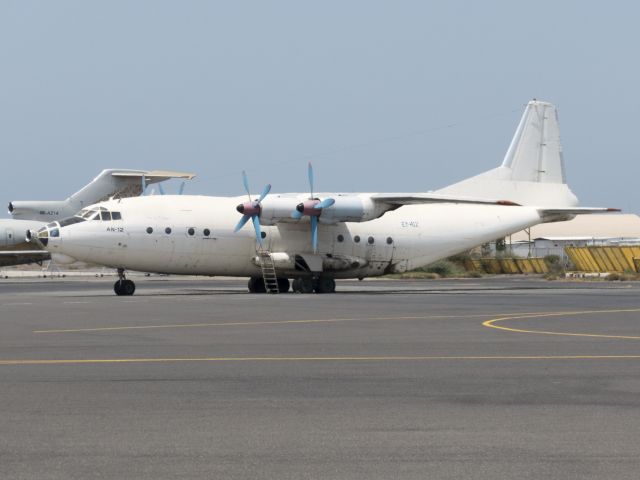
(532, 172)
(535, 152)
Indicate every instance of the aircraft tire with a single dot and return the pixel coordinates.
(305, 285)
(283, 285)
(256, 285)
(124, 287)
(325, 285)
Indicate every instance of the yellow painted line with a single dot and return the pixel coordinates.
(271, 322)
(315, 359)
(492, 323)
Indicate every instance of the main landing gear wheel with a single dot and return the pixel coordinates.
(325, 285)
(256, 285)
(283, 285)
(303, 285)
(123, 286)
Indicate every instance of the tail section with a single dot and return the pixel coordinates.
(535, 153)
(109, 183)
(532, 172)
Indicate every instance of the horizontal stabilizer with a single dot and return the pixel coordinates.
(563, 214)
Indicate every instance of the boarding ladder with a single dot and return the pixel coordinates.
(268, 271)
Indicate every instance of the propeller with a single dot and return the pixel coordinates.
(251, 210)
(313, 209)
(162, 192)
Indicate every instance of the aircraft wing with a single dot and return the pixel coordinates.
(19, 257)
(400, 199)
(560, 214)
(153, 176)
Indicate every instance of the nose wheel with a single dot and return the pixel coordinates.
(122, 285)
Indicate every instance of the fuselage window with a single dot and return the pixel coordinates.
(389, 240)
(370, 240)
(191, 231)
(149, 230)
(341, 238)
(116, 216)
(106, 216)
(263, 234)
(356, 239)
(206, 232)
(167, 230)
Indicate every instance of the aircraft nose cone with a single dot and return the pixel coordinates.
(240, 208)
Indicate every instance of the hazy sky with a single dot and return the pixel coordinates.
(381, 96)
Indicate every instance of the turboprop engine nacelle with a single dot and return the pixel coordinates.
(347, 208)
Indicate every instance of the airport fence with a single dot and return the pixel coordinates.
(605, 259)
(507, 265)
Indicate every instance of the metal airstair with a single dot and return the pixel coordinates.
(268, 271)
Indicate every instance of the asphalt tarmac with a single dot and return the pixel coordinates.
(193, 378)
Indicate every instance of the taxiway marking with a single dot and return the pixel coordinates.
(314, 359)
(492, 323)
(269, 322)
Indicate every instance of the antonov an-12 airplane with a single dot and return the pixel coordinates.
(317, 238)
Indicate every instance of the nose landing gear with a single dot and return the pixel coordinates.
(122, 285)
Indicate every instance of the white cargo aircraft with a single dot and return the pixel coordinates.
(30, 215)
(314, 239)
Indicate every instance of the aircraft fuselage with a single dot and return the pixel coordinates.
(194, 235)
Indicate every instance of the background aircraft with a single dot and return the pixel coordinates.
(29, 215)
(316, 238)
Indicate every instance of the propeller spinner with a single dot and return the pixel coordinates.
(251, 210)
(313, 209)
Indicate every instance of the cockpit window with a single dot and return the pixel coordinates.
(70, 221)
(96, 213)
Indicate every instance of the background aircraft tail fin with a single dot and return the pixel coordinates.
(532, 172)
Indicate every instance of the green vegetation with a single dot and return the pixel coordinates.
(452, 267)
(556, 269)
(626, 276)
